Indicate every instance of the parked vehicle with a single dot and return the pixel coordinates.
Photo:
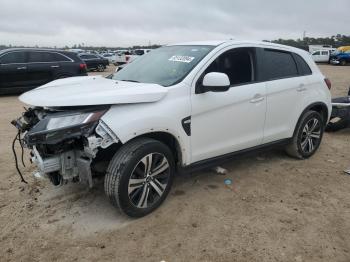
(136, 54)
(321, 56)
(340, 58)
(121, 57)
(179, 108)
(340, 117)
(112, 58)
(314, 48)
(22, 69)
(129, 56)
(94, 62)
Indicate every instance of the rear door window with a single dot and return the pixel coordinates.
(13, 58)
(279, 64)
(41, 57)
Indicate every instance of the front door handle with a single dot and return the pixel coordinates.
(55, 66)
(21, 68)
(257, 98)
(301, 88)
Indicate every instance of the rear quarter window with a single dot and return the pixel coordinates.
(61, 58)
(303, 67)
(40, 57)
(279, 64)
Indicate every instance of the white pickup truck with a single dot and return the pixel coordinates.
(125, 57)
(321, 56)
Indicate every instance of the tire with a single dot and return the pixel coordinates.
(100, 68)
(307, 136)
(342, 62)
(151, 183)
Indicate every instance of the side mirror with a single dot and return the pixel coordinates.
(215, 82)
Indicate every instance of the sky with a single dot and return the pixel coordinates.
(140, 22)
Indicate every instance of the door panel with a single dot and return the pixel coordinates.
(41, 66)
(13, 75)
(13, 71)
(283, 103)
(40, 73)
(226, 122)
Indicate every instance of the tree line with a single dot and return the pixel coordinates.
(335, 41)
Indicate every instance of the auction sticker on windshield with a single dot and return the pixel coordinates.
(180, 58)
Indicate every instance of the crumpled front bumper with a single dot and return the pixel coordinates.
(75, 163)
(70, 164)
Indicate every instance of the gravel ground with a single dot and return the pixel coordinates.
(278, 209)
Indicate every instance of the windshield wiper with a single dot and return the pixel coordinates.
(129, 80)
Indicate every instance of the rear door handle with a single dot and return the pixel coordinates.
(21, 68)
(55, 66)
(257, 98)
(301, 88)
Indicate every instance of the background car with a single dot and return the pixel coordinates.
(22, 69)
(340, 58)
(94, 62)
(321, 56)
(111, 57)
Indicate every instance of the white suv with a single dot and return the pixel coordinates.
(180, 107)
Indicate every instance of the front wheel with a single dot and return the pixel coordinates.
(139, 176)
(307, 137)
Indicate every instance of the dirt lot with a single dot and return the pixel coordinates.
(278, 209)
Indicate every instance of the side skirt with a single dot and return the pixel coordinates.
(207, 163)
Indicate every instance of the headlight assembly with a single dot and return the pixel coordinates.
(72, 120)
(63, 125)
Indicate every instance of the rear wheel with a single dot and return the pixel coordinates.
(139, 176)
(307, 137)
(100, 68)
(342, 62)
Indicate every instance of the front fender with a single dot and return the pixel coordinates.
(130, 121)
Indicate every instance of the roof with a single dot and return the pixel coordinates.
(229, 42)
(32, 49)
(245, 42)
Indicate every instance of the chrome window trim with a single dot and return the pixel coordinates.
(51, 52)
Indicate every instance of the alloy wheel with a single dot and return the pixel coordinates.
(100, 68)
(149, 180)
(311, 135)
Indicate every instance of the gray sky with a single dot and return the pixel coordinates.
(132, 22)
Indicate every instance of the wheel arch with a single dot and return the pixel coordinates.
(169, 140)
(319, 107)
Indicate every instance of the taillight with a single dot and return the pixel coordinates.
(328, 83)
(82, 66)
(127, 58)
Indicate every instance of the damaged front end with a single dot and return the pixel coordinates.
(64, 141)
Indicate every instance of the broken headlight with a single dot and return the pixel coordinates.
(63, 125)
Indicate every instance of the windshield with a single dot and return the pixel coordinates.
(165, 66)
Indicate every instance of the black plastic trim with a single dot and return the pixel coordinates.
(224, 158)
(186, 125)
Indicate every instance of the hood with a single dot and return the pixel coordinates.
(92, 90)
